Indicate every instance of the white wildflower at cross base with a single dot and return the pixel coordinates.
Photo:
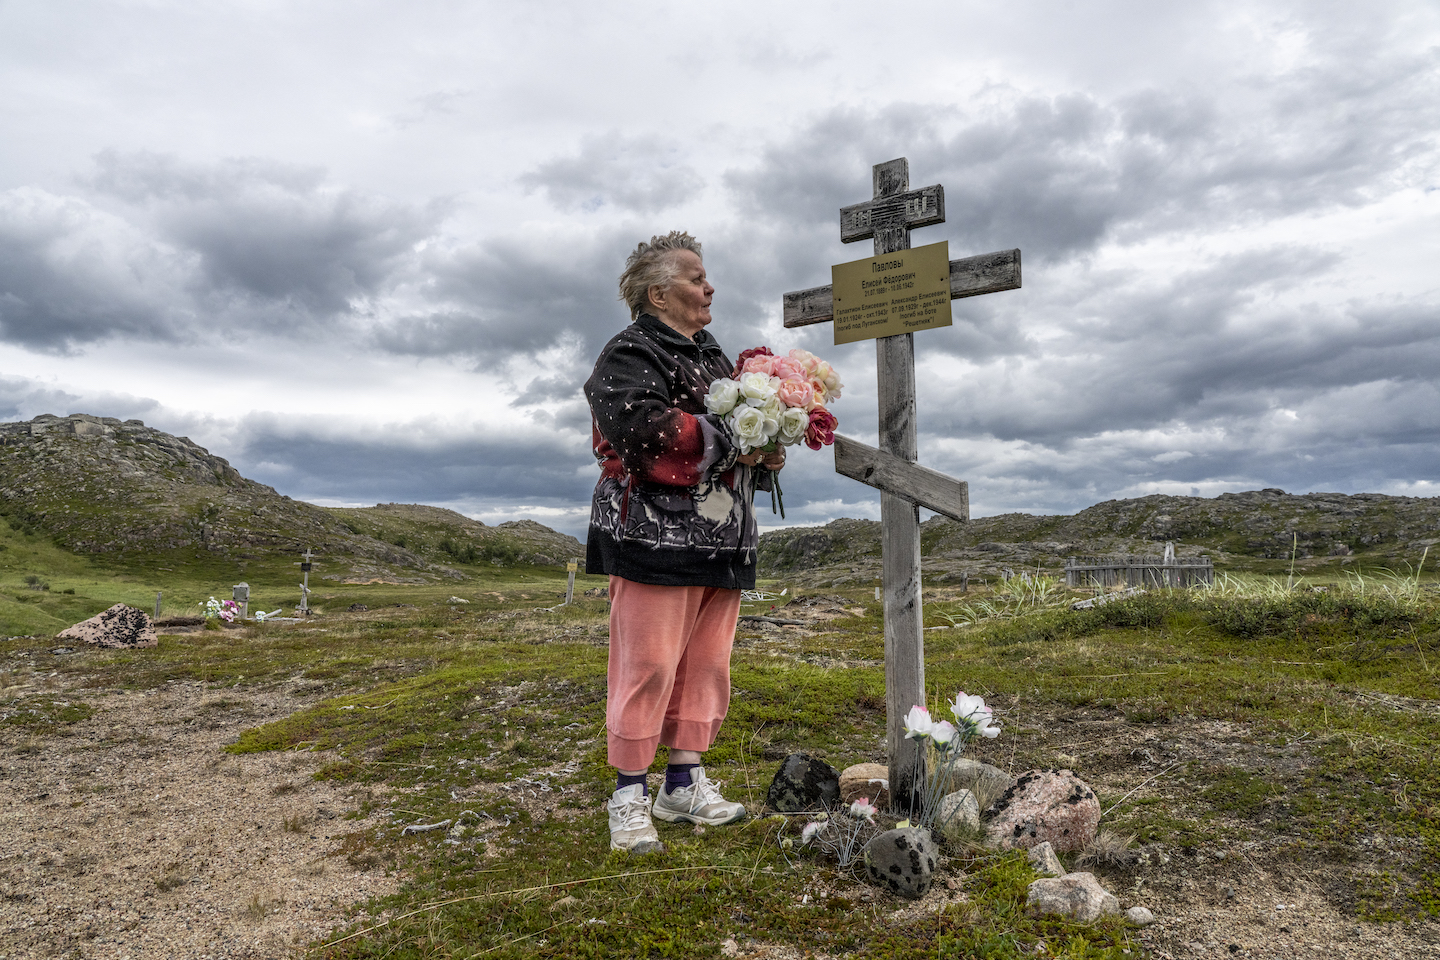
(972, 718)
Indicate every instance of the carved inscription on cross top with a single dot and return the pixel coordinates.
(904, 486)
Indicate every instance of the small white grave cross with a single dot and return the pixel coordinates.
(904, 486)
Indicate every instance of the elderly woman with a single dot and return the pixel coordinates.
(672, 524)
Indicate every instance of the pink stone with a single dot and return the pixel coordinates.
(120, 626)
(1045, 805)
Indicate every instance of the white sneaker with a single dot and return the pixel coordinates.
(630, 827)
(698, 803)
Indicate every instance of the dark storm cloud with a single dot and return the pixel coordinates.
(22, 398)
(269, 233)
(613, 172)
(389, 464)
(71, 274)
(501, 297)
(1057, 175)
(174, 251)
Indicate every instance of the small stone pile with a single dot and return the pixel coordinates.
(1045, 812)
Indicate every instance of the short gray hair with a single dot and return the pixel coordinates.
(653, 264)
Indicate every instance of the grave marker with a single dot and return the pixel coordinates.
(305, 584)
(888, 217)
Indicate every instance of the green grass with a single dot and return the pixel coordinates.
(82, 586)
(1325, 703)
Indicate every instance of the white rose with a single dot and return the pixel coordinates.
(723, 396)
(771, 427)
(793, 421)
(749, 426)
(772, 408)
(756, 388)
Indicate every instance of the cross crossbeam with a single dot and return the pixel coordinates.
(909, 481)
(904, 486)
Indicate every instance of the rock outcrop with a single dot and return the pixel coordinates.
(1234, 528)
(105, 486)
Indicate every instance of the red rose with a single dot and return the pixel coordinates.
(746, 355)
(821, 431)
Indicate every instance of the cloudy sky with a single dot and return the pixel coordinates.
(367, 251)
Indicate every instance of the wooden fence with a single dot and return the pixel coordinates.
(1138, 571)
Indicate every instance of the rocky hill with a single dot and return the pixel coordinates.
(98, 485)
(1239, 530)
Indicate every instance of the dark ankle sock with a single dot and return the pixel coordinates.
(623, 780)
(677, 775)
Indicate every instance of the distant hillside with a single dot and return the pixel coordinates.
(1240, 530)
(96, 485)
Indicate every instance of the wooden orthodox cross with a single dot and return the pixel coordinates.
(904, 486)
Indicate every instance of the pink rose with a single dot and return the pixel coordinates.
(805, 358)
(796, 392)
(760, 364)
(821, 431)
(746, 355)
(788, 369)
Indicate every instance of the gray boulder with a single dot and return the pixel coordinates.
(902, 861)
(804, 782)
(1045, 861)
(1077, 896)
(957, 815)
(120, 626)
(981, 779)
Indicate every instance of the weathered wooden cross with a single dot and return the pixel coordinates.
(904, 486)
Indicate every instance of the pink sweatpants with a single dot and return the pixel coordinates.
(669, 676)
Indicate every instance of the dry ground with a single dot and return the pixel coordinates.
(131, 834)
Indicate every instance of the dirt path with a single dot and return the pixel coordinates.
(131, 834)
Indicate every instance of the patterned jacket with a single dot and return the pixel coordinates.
(672, 506)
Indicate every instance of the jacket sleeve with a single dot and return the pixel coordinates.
(629, 396)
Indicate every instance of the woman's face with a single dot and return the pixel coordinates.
(684, 305)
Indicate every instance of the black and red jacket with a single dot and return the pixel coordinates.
(672, 506)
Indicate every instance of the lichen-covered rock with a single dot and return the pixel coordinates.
(1077, 896)
(120, 626)
(1053, 805)
(957, 815)
(866, 780)
(804, 782)
(902, 861)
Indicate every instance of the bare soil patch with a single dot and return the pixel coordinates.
(131, 834)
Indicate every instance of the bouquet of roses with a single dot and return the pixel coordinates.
(770, 402)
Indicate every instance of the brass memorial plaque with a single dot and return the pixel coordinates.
(892, 294)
